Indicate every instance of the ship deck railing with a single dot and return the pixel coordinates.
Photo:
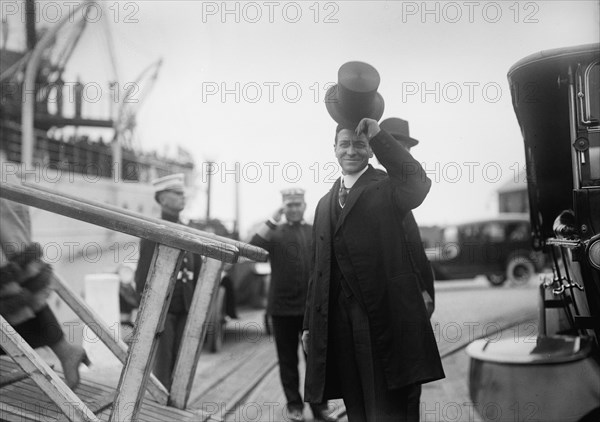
(90, 157)
(172, 242)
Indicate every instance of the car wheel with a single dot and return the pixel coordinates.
(216, 330)
(496, 279)
(519, 270)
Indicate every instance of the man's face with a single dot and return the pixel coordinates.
(172, 202)
(352, 151)
(294, 211)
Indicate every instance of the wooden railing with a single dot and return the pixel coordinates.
(172, 242)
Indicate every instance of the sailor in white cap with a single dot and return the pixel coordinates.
(169, 192)
(289, 247)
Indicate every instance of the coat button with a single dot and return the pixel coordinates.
(322, 237)
(318, 308)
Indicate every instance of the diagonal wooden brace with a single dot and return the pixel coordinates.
(95, 323)
(39, 371)
(195, 332)
(153, 310)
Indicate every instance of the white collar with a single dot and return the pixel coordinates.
(350, 179)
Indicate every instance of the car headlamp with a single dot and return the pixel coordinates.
(593, 253)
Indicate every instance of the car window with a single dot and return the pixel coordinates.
(471, 233)
(518, 232)
(451, 234)
(493, 232)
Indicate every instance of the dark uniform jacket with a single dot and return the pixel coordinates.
(289, 248)
(373, 256)
(186, 278)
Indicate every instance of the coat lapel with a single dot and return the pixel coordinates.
(329, 201)
(354, 194)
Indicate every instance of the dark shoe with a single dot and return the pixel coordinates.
(295, 415)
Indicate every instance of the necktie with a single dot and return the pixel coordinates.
(342, 194)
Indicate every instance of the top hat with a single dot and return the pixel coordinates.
(172, 182)
(398, 128)
(292, 195)
(355, 95)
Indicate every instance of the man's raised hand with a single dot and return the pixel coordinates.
(369, 127)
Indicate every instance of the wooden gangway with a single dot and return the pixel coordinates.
(128, 401)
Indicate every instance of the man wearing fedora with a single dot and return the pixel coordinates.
(289, 246)
(366, 327)
(170, 195)
(398, 128)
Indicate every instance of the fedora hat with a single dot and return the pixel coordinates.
(355, 95)
(398, 128)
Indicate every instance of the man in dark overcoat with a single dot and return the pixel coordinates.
(398, 128)
(366, 327)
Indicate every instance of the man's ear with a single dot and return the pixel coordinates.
(159, 198)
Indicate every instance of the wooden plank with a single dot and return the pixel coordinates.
(234, 388)
(10, 371)
(31, 400)
(99, 327)
(195, 332)
(153, 309)
(267, 401)
(24, 401)
(221, 371)
(42, 375)
(29, 396)
(174, 236)
(16, 413)
(251, 252)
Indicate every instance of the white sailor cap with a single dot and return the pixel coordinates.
(292, 195)
(172, 182)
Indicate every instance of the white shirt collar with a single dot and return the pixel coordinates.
(350, 179)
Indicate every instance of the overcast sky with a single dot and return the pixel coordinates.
(245, 84)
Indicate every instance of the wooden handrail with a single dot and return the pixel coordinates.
(248, 251)
(173, 236)
(172, 242)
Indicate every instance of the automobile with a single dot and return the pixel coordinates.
(499, 248)
(554, 376)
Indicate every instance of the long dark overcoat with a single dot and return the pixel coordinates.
(373, 256)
